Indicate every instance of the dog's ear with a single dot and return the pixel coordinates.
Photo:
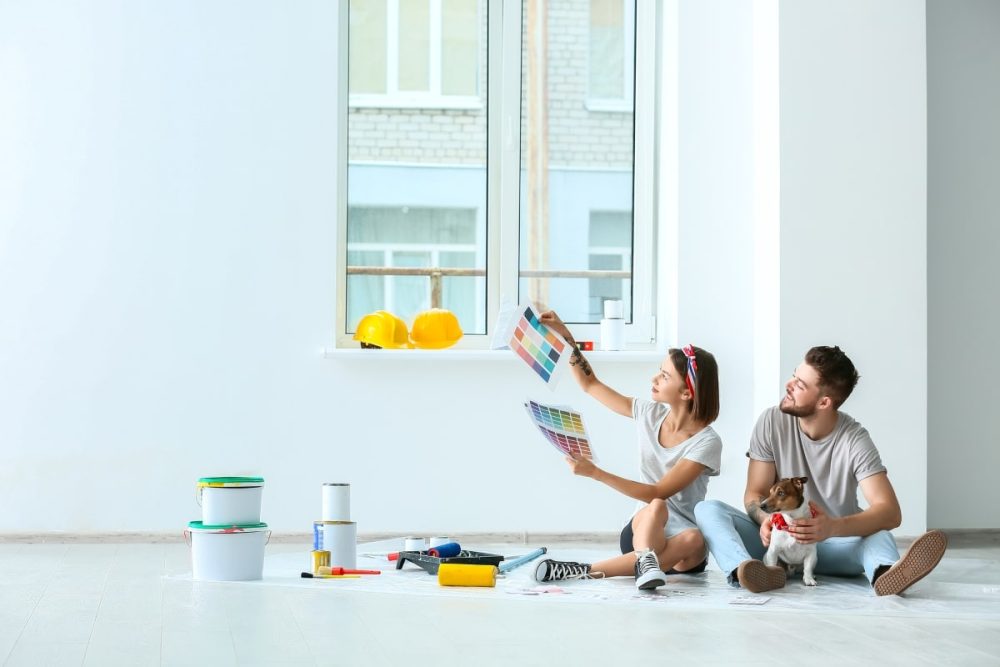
(800, 481)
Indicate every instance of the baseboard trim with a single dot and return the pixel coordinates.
(956, 537)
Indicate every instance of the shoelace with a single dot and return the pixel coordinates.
(559, 571)
(648, 562)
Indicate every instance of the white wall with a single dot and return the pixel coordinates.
(167, 247)
(963, 220)
(715, 295)
(853, 215)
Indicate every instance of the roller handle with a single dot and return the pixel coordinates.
(509, 565)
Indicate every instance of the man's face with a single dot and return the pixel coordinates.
(802, 394)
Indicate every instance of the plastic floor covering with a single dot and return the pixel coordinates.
(958, 587)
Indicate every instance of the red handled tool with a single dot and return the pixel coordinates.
(324, 569)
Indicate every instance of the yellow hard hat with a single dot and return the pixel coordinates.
(381, 329)
(435, 329)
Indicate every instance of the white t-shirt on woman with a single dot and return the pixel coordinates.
(704, 447)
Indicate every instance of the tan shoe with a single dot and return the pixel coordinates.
(923, 556)
(757, 577)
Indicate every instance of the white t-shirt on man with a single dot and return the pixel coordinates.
(834, 465)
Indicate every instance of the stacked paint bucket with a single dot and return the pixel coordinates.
(228, 543)
(335, 536)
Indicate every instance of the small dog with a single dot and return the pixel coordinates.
(787, 502)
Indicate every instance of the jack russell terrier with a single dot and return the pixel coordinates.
(786, 503)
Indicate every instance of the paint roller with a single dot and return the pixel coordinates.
(467, 574)
(447, 550)
(464, 574)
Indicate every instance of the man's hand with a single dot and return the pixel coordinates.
(581, 466)
(811, 531)
(765, 532)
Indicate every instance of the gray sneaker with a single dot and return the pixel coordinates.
(648, 574)
(557, 570)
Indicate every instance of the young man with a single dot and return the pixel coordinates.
(807, 436)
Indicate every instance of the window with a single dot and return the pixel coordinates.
(612, 50)
(492, 155)
(415, 52)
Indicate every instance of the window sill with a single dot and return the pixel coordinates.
(622, 356)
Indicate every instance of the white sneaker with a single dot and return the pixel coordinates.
(648, 574)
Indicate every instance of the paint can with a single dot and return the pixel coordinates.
(437, 541)
(336, 501)
(321, 558)
(227, 553)
(230, 500)
(340, 538)
(414, 544)
(463, 574)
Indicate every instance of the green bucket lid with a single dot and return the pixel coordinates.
(227, 527)
(231, 481)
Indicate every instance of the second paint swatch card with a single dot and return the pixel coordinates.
(562, 427)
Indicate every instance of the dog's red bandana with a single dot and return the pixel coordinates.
(778, 520)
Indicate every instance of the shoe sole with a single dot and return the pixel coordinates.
(918, 562)
(756, 577)
(651, 583)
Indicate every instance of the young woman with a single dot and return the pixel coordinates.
(678, 450)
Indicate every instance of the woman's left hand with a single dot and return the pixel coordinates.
(581, 466)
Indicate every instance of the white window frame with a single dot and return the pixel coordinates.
(503, 185)
(393, 97)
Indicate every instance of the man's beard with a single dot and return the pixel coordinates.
(800, 411)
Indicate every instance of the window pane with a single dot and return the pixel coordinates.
(414, 45)
(365, 294)
(459, 61)
(459, 293)
(409, 294)
(607, 45)
(367, 46)
(416, 184)
(576, 164)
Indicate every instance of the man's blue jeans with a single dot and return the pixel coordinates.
(733, 537)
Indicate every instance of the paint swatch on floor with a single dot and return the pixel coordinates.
(562, 427)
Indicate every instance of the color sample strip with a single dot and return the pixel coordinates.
(568, 422)
(568, 444)
(562, 427)
(536, 344)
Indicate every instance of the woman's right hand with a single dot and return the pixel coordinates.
(552, 321)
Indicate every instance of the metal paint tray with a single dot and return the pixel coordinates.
(431, 563)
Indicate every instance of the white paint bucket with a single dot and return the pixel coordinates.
(227, 553)
(230, 500)
(340, 538)
(336, 501)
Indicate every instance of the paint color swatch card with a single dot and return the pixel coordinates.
(543, 350)
(562, 427)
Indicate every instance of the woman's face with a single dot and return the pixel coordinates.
(669, 385)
